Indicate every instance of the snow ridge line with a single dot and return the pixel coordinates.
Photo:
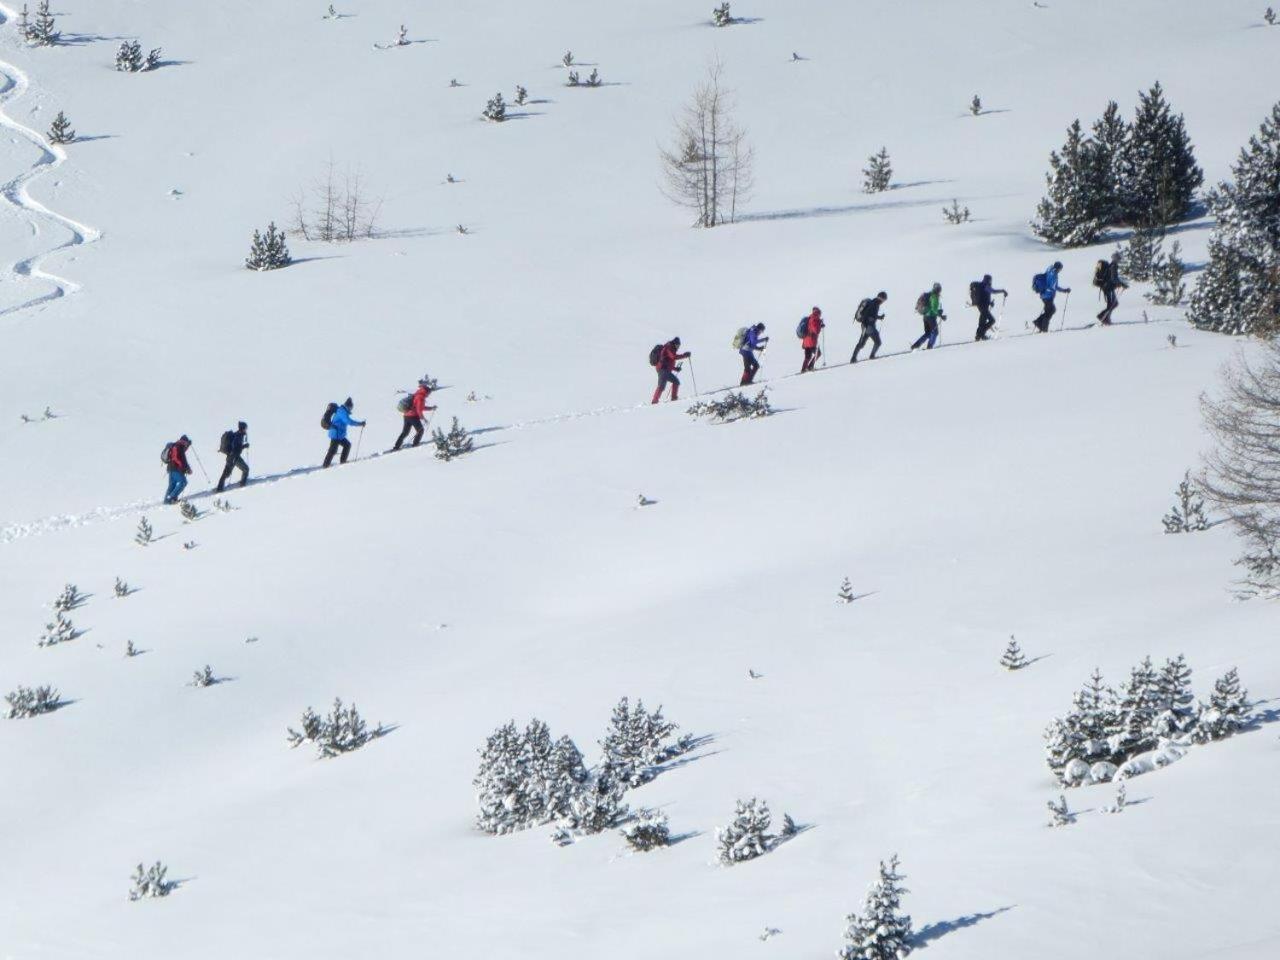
(15, 193)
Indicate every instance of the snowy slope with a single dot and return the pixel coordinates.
(978, 491)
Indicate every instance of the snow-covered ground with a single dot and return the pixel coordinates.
(971, 493)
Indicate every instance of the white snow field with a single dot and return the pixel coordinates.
(974, 492)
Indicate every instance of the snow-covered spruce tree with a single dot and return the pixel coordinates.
(747, 835)
(1239, 289)
(1081, 737)
(597, 806)
(646, 830)
(452, 444)
(204, 678)
(1012, 659)
(522, 96)
(567, 59)
(720, 16)
(268, 251)
(734, 405)
(975, 105)
(878, 173)
(342, 731)
(1187, 515)
(789, 828)
(1160, 174)
(1106, 172)
(189, 511)
(881, 931)
(594, 79)
(955, 214)
(845, 593)
(1140, 256)
(1228, 709)
(60, 630)
(495, 109)
(573, 80)
(151, 882)
(68, 599)
(553, 773)
(1270, 17)
(637, 741)
(500, 783)
(130, 650)
(1059, 814)
(41, 32)
(1137, 707)
(1170, 290)
(129, 57)
(153, 59)
(1070, 214)
(27, 702)
(144, 534)
(60, 130)
(1175, 705)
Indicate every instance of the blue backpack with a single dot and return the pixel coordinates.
(1039, 283)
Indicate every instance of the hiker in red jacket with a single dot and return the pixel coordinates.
(414, 414)
(175, 463)
(813, 330)
(667, 365)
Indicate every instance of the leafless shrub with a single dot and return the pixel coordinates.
(336, 207)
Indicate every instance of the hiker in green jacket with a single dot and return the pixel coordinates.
(929, 306)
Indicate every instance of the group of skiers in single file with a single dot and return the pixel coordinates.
(750, 341)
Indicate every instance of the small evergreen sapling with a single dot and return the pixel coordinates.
(1119, 804)
(342, 731)
(1269, 16)
(69, 598)
(189, 511)
(735, 405)
(130, 650)
(789, 827)
(60, 131)
(268, 251)
(1187, 515)
(956, 214)
(42, 31)
(522, 96)
(1228, 709)
(59, 631)
(496, 109)
(204, 678)
(1143, 253)
(720, 16)
(144, 534)
(881, 931)
(567, 59)
(746, 837)
(129, 58)
(878, 173)
(452, 444)
(1012, 659)
(845, 594)
(638, 741)
(121, 588)
(1168, 273)
(647, 830)
(27, 702)
(594, 79)
(975, 105)
(1059, 815)
(151, 882)
(1175, 704)
(573, 79)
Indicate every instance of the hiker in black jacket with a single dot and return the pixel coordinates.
(981, 295)
(867, 315)
(1106, 277)
(234, 444)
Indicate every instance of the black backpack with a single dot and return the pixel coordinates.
(977, 295)
(228, 438)
(655, 354)
(327, 420)
(1101, 274)
(865, 314)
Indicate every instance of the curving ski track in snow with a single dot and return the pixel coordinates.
(15, 193)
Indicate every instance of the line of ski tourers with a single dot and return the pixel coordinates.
(665, 358)
(749, 341)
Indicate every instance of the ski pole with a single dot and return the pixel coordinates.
(201, 465)
(693, 377)
(1065, 307)
(823, 349)
(359, 440)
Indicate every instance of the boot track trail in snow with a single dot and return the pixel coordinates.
(13, 84)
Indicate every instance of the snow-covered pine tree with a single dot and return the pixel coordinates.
(453, 444)
(636, 742)
(1167, 275)
(1159, 167)
(1059, 814)
(27, 702)
(144, 534)
(1012, 659)
(597, 806)
(573, 79)
(1187, 515)
(881, 931)
(499, 784)
(1239, 289)
(268, 251)
(24, 23)
(342, 731)
(1175, 705)
(1141, 255)
(1070, 214)
(68, 599)
(563, 777)
(647, 830)
(153, 59)
(1082, 735)
(60, 130)
(188, 511)
(495, 109)
(129, 57)
(1228, 709)
(522, 95)
(720, 16)
(567, 59)
(975, 105)
(42, 31)
(1136, 709)
(878, 173)
(60, 630)
(1110, 139)
(845, 593)
(151, 882)
(204, 678)
(130, 650)
(747, 835)
(1270, 17)
(594, 79)
(955, 214)
(789, 827)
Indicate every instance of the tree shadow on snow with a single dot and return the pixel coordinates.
(100, 136)
(918, 183)
(83, 39)
(806, 213)
(523, 115)
(933, 931)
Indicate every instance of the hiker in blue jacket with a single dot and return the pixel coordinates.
(1047, 293)
(751, 342)
(338, 424)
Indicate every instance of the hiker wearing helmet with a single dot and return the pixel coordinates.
(929, 306)
(1048, 289)
(981, 294)
(414, 413)
(338, 423)
(868, 314)
(234, 444)
(751, 342)
(668, 363)
(812, 326)
(177, 467)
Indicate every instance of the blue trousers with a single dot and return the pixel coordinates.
(177, 483)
